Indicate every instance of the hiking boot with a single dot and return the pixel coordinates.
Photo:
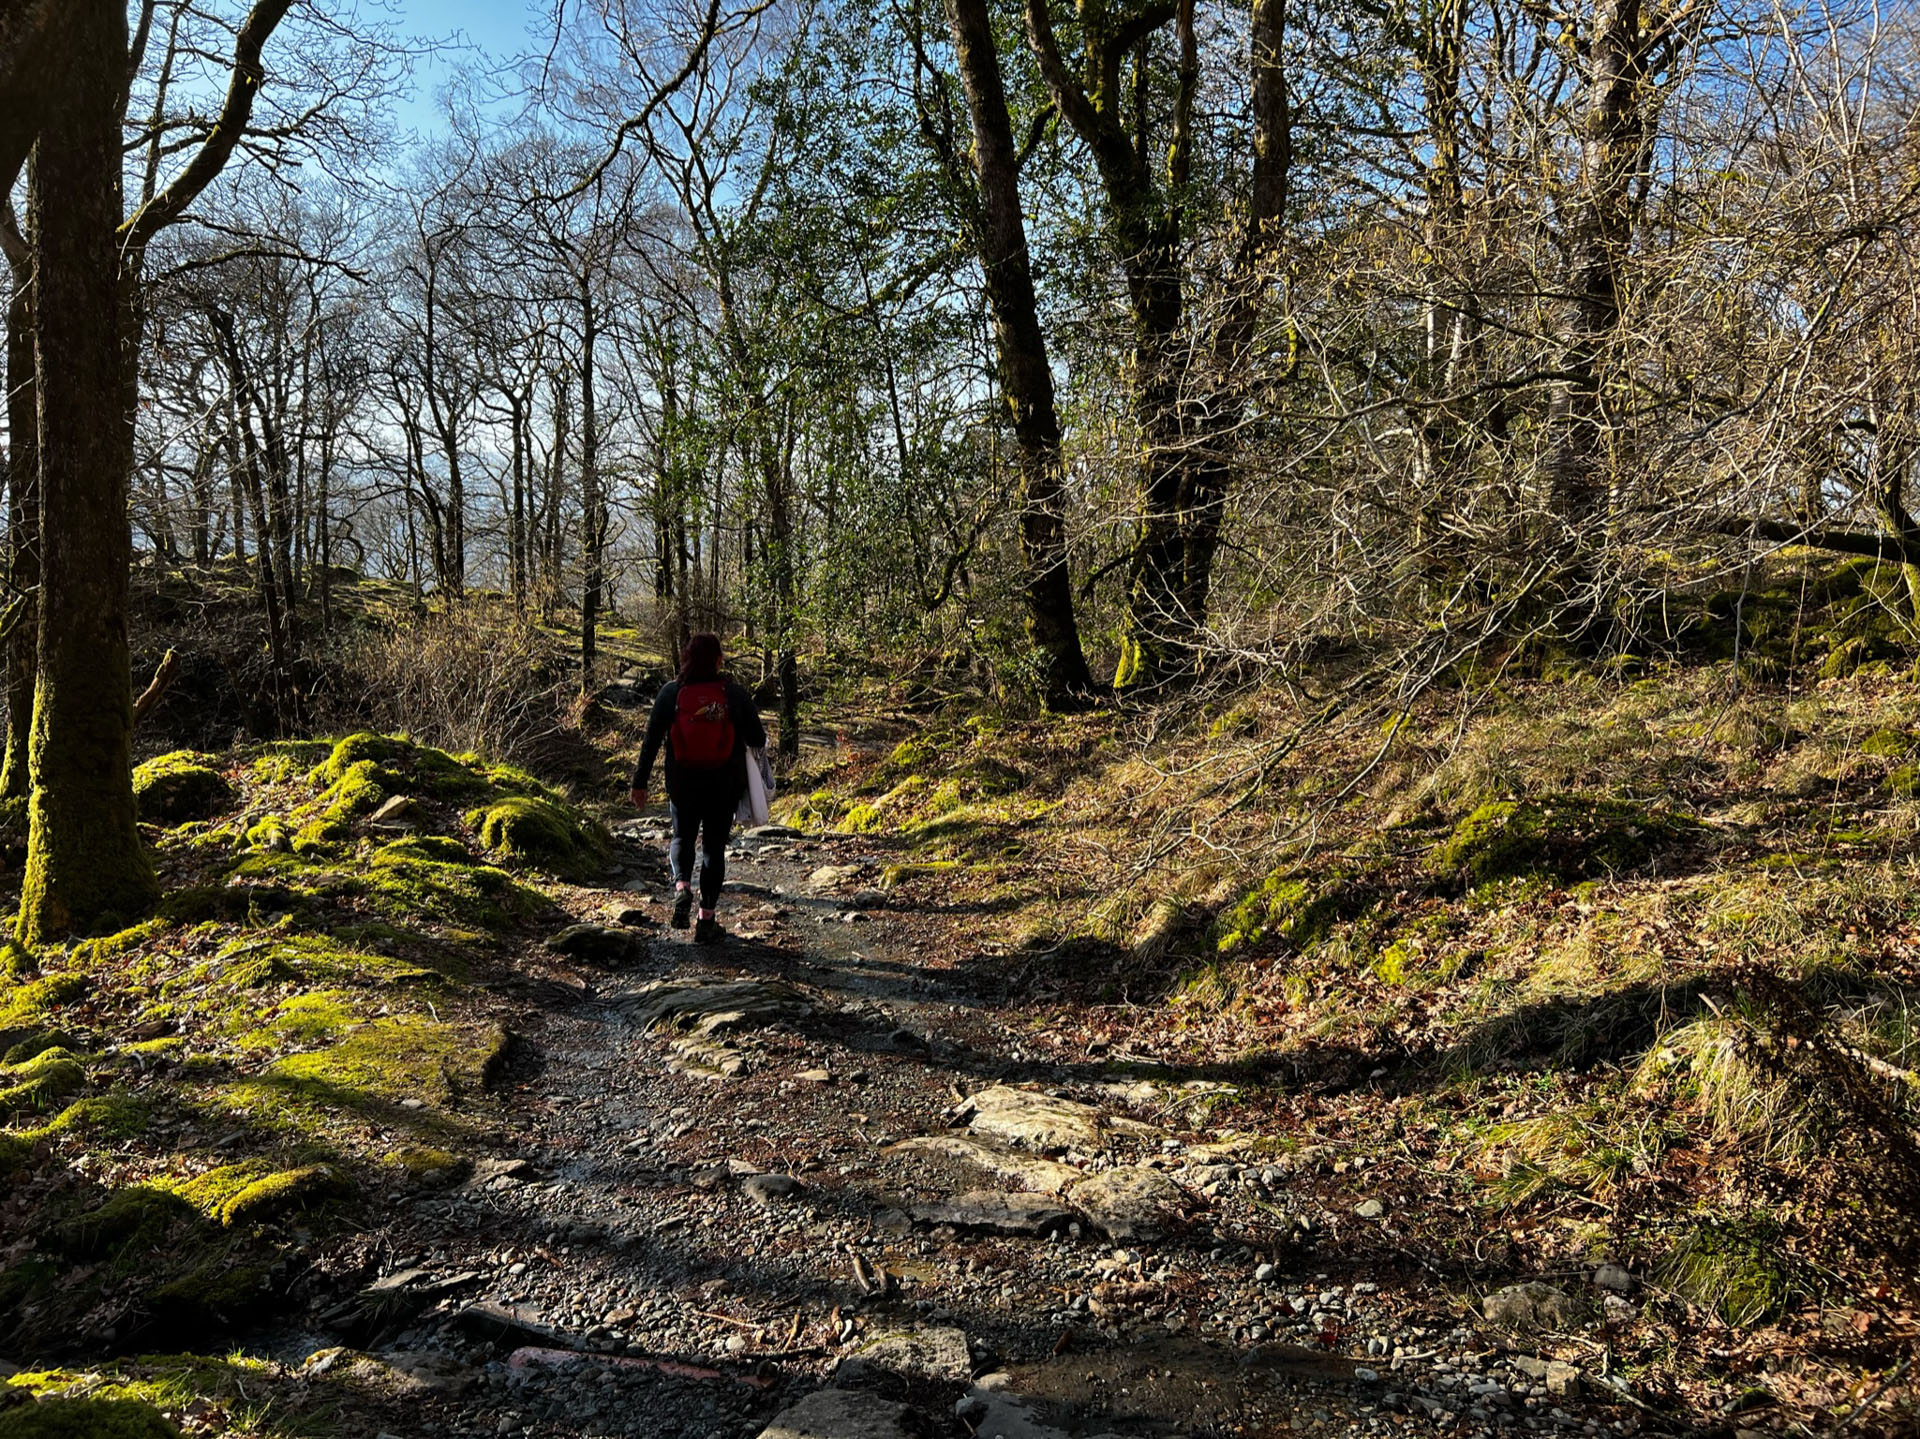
(708, 931)
(683, 909)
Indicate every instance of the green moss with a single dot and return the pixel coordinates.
(1888, 743)
(178, 787)
(1299, 909)
(102, 1116)
(543, 834)
(355, 750)
(34, 1086)
(861, 819)
(304, 1019)
(1736, 1271)
(1904, 782)
(255, 1190)
(945, 799)
(288, 760)
(39, 1043)
(316, 960)
(1562, 837)
(322, 837)
(92, 953)
(441, 849)
(371, 1070)
(218, 1290)
(361, 790)
(271, 832)
(61, 1418)
(407, 889)
(135, 1218)
(37, 999)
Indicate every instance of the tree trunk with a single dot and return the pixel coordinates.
(22, 637)
(1612, 156)
(86, 866)
(1026, 379)
(593, 505)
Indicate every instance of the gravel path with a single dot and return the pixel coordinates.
(808, 1182)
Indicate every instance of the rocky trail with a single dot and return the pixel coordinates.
(809, 1182)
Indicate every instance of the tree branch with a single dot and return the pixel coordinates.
(167, 206)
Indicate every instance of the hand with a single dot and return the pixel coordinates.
(639, 798)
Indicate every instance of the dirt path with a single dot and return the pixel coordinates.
(814, 1156)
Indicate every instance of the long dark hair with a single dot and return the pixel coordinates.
(701, 660)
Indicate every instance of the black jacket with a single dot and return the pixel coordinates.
(701, 786)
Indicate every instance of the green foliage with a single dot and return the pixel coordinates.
(178, 787)
(1560, 837)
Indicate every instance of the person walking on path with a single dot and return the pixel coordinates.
(707, 722)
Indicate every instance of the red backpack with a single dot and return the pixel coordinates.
(702, 732)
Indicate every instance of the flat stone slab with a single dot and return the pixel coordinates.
(997, 1413)
(1043, 1121)
(1017, 1212)
(1129, 1202)
(843, 1414)
(501, 1324)
(706, 1008)
(1535, 1305)
(938, 1354)
(1030, 1171)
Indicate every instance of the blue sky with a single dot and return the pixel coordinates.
(498, 27)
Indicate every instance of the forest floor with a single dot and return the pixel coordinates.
(1538, 1057)
(814, 1156)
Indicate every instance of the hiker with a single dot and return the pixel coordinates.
(708, 723)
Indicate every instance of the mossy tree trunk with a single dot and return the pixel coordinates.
(86, 864)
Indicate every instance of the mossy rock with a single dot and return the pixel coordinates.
(355, 750)
(372, 1070)
(254, 1190)
(271, 832)
(408, 889)
(178, 787)
(39, 1043)
(360, 790)
(435, 847)
(26, 1006)
(288, 760)
(541, 834)
(35, 1085)
(138, 1216)
(61, 1418)
(1561, 837)
(100, 1116)
(216, 1291)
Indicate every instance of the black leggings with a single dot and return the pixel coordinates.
(707, 822)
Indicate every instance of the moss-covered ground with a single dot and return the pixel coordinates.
(292, 1041)
(1588, 961)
